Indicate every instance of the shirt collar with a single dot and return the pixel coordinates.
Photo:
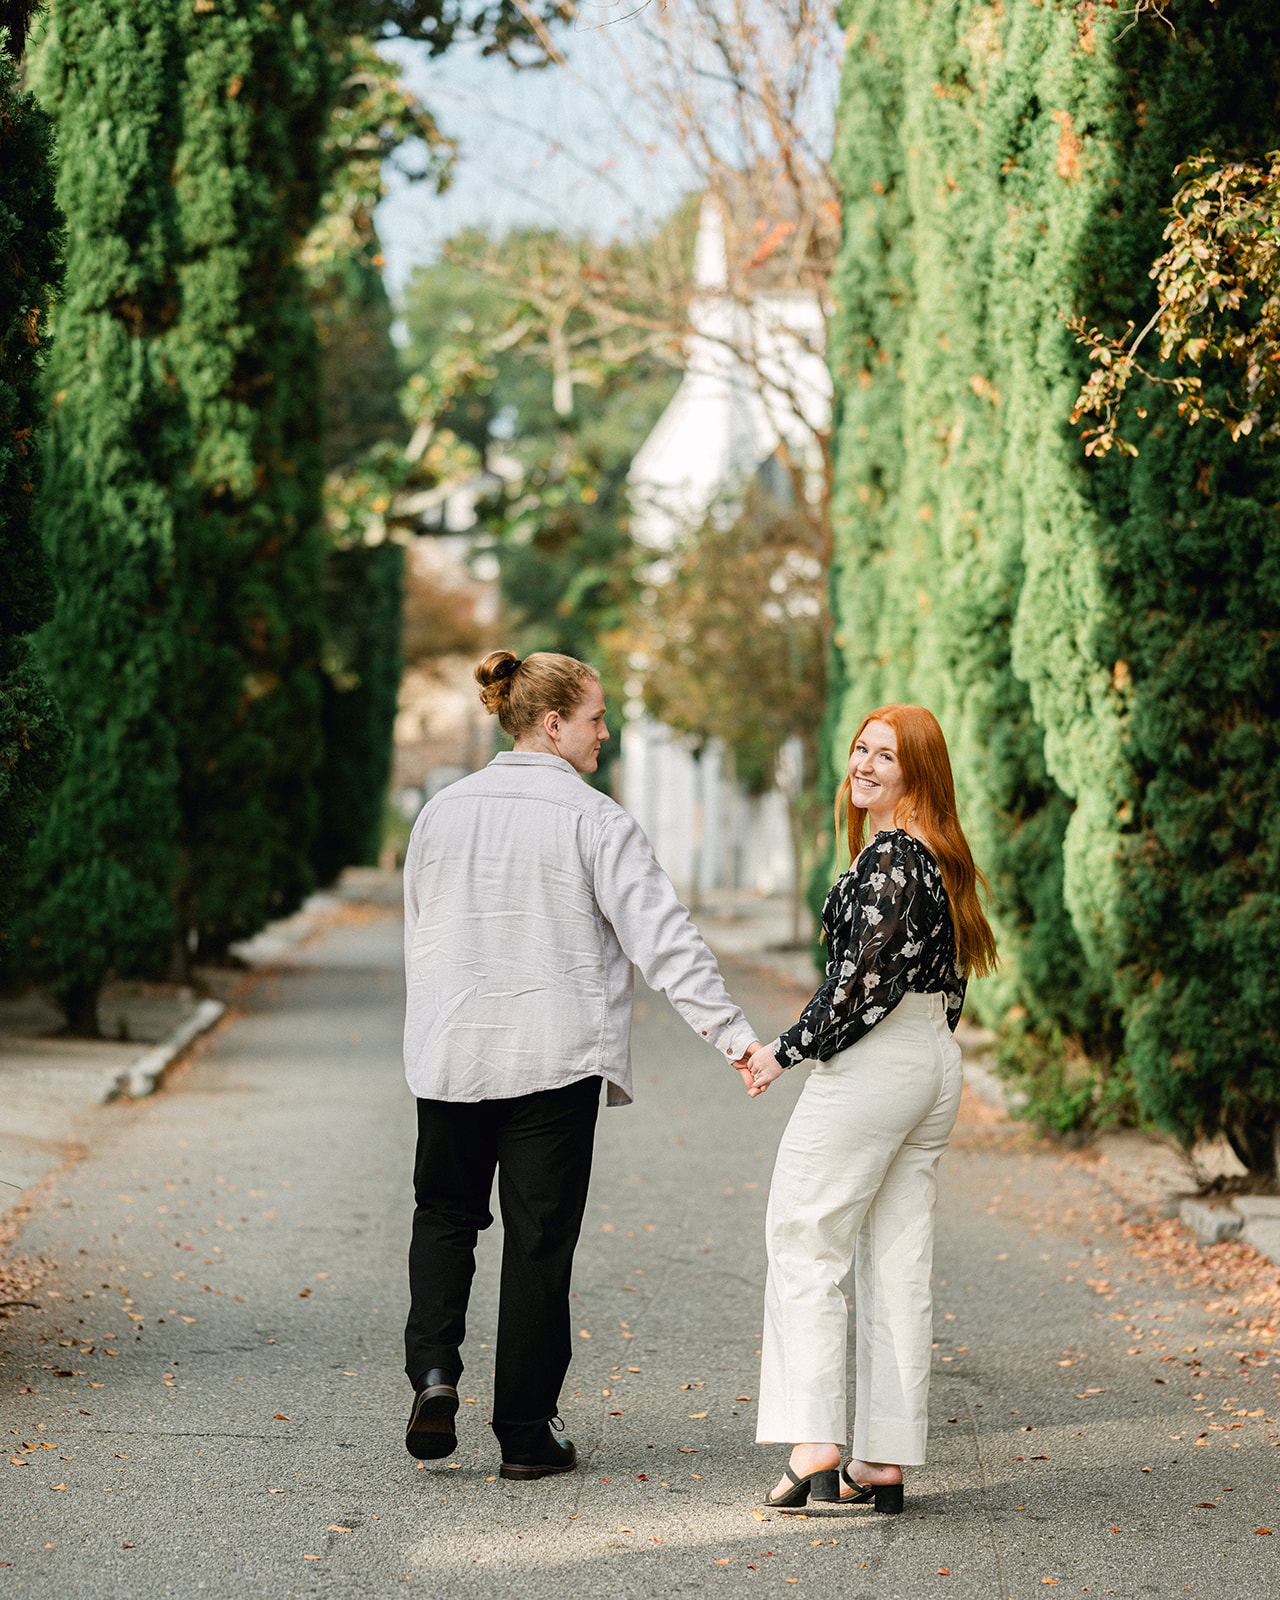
(532, 758)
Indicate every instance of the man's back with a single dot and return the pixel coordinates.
(516, 980)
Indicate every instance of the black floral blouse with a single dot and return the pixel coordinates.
(889, 930)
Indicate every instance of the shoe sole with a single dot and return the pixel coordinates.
(512, 1469)
(431, 1434)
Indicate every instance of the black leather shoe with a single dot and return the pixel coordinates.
(552, 1455)
(431, 1433)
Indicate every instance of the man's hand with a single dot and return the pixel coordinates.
(742, 1065)
(764, 1069)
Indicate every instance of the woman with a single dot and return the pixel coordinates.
(529, 897)
(856, 1174)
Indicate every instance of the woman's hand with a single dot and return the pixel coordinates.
(742, 1066)
(764, 1069)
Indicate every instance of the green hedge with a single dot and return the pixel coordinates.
(364, 597)
(32, 733)
(248, 179)
(102, 866)
(1094, 637)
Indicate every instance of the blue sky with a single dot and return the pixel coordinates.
(557, 146)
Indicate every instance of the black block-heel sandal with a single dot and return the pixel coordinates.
(887, 1497)
(825, 1486)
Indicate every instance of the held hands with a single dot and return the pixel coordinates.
(764, 1069)
(758, 1068)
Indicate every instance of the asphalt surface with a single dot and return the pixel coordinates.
(223, 1281)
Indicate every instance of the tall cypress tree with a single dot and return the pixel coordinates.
(248, 181)
(32, 733)
(103, 863)
(1098, 636)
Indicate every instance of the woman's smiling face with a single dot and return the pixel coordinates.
(876, 783)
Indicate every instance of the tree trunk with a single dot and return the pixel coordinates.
(79, 1002)
(796, 819)
(1256, 1140)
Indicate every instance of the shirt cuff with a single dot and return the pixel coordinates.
(787, 1055)
(733, 1042)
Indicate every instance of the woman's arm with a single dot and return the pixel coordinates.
(876, 948)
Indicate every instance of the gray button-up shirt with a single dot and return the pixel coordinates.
(528, 896)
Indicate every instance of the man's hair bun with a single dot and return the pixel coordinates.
(494, 675)
(520, 693)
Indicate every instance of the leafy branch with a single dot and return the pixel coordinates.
(1219, 290)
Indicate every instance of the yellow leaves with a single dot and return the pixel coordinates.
(583, 1334)
(696, 1416)
(1070, 147)
(335, 1527)
(280, 1417)
(55, 1486)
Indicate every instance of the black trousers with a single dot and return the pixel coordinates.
(541, 1146)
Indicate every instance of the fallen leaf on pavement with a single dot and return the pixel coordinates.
(758, 1514)
(1262, 1530)
(944, 1572)
(695, 1416)
(724, 1562)
(57, 1485)
(311, 1558)
(336, 1528)
(280, 1416)
(626, 1530)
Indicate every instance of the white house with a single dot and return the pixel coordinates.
(756, 383)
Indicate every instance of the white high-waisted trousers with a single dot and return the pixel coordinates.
(857, 1170)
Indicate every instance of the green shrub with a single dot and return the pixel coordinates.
(33, 736)
(248, 178)
(102, 866)
(1096, 637)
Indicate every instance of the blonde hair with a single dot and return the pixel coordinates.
(520, 693)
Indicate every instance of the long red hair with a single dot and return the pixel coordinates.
(929, 803)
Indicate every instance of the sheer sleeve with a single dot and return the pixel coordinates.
(875, 938)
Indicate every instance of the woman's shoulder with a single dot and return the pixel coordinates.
(897, 847)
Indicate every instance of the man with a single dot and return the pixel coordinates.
(528, 897)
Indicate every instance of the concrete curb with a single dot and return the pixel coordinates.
(147, 1072)
(1253, 1218)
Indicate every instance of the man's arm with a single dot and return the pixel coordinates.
(656, 931)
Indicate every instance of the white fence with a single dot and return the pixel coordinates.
(706, 830)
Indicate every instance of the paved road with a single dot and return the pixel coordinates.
(229, 1259)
